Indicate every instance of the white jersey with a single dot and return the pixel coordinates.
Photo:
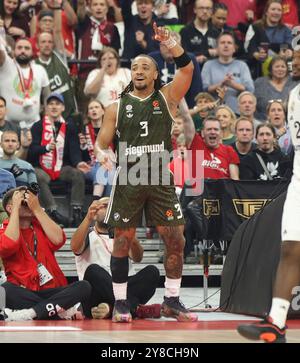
(98, 251)
(112, 86)
(11, 90)
(294, 126)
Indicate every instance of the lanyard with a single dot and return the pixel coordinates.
(25, 82)
(34, 255)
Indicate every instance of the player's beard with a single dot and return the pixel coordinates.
(22, 59)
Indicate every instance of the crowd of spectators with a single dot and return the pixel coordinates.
(62, 62)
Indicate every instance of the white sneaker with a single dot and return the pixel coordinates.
(102, 311)
(17, 315)
(73, 313)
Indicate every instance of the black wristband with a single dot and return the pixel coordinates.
(182, 61)
(55, 8)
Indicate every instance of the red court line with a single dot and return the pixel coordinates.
(151, 325)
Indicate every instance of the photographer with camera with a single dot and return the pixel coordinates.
(22, 171)
(35, 284)
(93, 247)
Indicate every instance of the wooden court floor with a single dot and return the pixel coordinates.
(139, 331)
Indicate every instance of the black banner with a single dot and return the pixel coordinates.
(228, 203)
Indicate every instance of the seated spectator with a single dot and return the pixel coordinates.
(106, 83)
(267, 162)
(296, 67)
(247, 106)
(102, 179)
(26, 84)
(21, 170)
(52, 57)
(15, 24)
(276, 116)
(227, 72)
(269, 36)
(139, 35)
(178, 165)
(35, 285)
(244, 133)
(92, 248)
(200, 37)
(227, 120)
(55, 155)
(276, 86)
(167, 69)
(24, 136)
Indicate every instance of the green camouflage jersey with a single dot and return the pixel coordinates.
(144, 124)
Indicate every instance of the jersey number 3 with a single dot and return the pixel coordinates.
(144, 126)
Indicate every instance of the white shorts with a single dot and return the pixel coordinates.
(290, 226)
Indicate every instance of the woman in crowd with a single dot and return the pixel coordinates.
(101, 178)
(275, 86)
(276, 117)
(107, 82)
(227, 119)
(14, 23)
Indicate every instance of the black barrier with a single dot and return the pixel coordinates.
(225, 204)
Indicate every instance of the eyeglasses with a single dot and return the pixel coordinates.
(202, 8)
(272, 101)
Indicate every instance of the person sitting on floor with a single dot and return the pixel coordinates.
(92, 248)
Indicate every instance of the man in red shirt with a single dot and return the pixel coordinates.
(35, 283)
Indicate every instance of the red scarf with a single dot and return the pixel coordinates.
(51, 162)
(90, 141)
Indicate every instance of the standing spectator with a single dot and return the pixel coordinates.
(276, 86)
(199, 37)
(107, 82)
(94, 32)
(244, 133)
(267, 162)
(167, 10)
(138, 28)
(227, 72)
(93, 248)
(102, 179)
(15, 24)
(276, 116)
(24, 86)
(269, 36)
(227, 120)
(241, 11)
(55, 154)
(167, 68)
(35, 284)
(56, 66)
(21, 170)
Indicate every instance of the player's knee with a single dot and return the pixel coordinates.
(122, 244)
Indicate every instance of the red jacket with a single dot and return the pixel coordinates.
(19, 263)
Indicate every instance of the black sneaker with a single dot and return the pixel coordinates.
(121, 312)
(172, 307)
(58, 218)
(263, 330)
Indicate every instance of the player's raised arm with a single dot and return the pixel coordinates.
(176, 89)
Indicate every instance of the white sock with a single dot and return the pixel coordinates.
(120, 291)
(172, 287)
(279, 310)
(32, 313)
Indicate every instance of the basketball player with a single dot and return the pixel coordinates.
(272, 329)
(143, 118)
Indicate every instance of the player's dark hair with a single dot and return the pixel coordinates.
(157, 82)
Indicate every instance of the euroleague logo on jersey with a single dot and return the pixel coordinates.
(156, 108)
(129, 110)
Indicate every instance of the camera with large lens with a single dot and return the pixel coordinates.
(16, 170)
(34, 188)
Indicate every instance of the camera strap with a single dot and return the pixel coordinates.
(35, 242)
